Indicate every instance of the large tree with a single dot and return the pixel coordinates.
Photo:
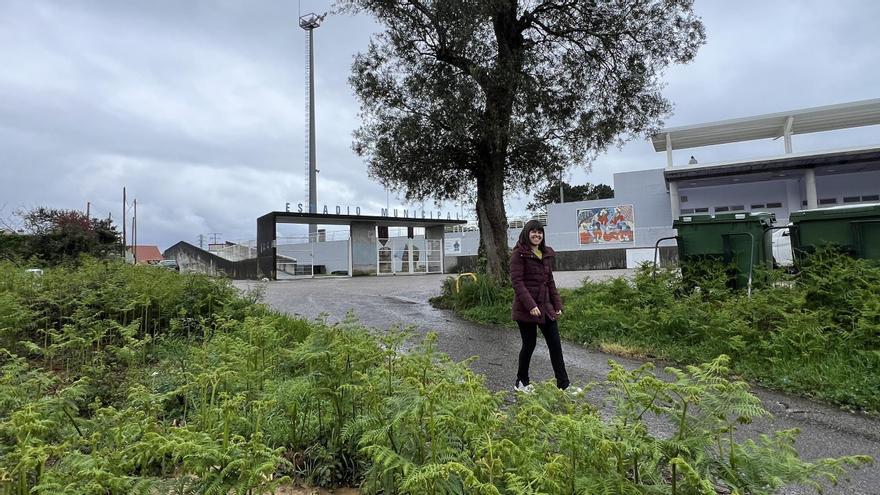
(474, 97)
(549, 193)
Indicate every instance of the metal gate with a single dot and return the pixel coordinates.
(403, 256)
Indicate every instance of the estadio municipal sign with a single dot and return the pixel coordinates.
(385, 212)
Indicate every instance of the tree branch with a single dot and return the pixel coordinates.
(445, 54)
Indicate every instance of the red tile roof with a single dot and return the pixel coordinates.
(147, 253)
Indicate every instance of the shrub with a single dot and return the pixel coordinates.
(816, 332)
(217, 395)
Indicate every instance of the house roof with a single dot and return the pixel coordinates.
(772, 125)
(147, 253)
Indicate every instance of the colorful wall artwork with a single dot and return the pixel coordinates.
(606, 225)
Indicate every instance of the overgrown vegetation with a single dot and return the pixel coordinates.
(816, 333)
(118, 379)
(48, 236)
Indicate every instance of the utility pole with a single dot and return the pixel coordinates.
(134, 231)
(201, 241)
(214, 236)
(309, 23)
(561, 197)
(124, 215)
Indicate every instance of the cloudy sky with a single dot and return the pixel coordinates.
(198, 107)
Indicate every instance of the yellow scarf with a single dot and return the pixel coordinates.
(538, 253)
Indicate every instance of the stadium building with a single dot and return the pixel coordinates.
(622, 231)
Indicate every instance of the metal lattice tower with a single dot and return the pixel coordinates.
(309, 23)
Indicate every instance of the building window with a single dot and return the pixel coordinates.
(701, 210)
(774, 205)
(687, 211)
(871, 197)
(804, 203)
(684, 199)
(737, 208)
(720, 208)
(851, 199)
(757, 206)
(828, 201)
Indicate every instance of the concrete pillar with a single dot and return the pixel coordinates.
(364, 249)
(810, 186)
(668, 151)
(435, 232)
(438, 232)
(786, 133)
(674, 200)
(266, 247)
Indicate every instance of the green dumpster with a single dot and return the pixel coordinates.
(853, 229)
(738, 239)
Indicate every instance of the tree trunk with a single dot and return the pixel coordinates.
(492, 149)
(493, 224)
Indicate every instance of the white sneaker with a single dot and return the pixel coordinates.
(526, 389)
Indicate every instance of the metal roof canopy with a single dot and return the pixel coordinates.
(854, 160)
(769, 126)
(332, 219)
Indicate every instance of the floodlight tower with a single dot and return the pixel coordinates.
(309, 23)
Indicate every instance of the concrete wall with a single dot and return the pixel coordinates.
(604, 259)
(330, 256)
(364, 248)
(470, 241)
(790, 193)
(785, 192)
(840, 186)
(195, 260)
(644, 189)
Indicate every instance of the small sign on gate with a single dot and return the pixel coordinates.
(453, 246)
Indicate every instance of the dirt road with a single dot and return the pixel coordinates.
(382, 302)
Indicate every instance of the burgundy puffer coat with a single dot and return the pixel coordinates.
(533, 284)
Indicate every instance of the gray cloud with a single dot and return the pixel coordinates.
(198, 107)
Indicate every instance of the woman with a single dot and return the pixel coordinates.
(536, 302)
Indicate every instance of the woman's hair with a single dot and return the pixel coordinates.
(524, 235)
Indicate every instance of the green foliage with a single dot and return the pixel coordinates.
(481, 300)
(117, 379)
(54, 236)
(816, 333)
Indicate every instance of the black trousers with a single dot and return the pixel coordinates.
(529, 333)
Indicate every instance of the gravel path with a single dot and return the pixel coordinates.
(382, 302)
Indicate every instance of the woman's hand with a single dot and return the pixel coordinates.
(535, 311)
(558, 312)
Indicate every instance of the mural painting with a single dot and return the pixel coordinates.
(605, 225)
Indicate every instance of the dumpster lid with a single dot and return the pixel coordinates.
(740, 216)
(831, 212)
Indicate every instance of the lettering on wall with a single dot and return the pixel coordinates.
(383, 212)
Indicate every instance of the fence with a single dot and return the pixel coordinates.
(322, 254)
